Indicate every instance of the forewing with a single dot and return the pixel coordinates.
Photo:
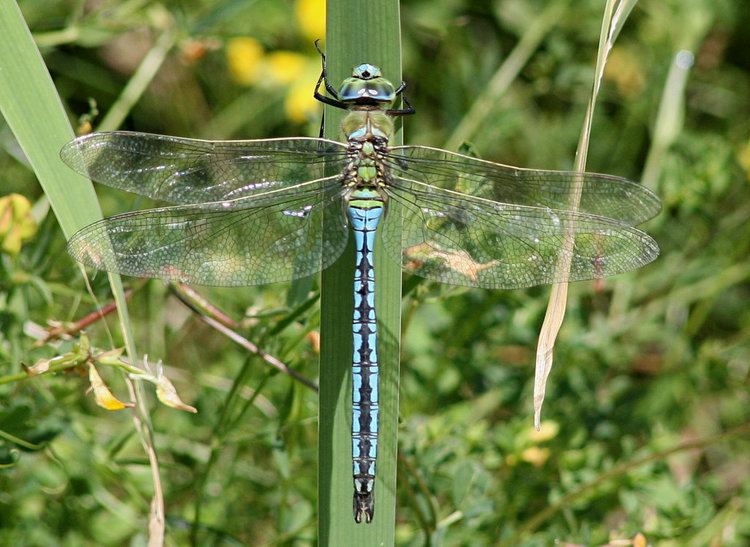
(191, 171)
(602, 195)
(463, 240)
(273, 237)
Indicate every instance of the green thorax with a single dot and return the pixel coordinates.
(363, 125)
(367, 172)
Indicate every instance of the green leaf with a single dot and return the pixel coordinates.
(358, 31)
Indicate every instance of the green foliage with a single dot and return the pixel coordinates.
(645, 424)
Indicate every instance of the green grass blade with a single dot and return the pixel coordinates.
(669, 117)
(357, 31)
(32, 109)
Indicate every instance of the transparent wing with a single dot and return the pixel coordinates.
(463, 240)
(273, 237)
(190, 171)
(602, 195)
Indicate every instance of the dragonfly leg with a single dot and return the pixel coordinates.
(333, 100)
(321, 134)
(323, 98)
(408, 110)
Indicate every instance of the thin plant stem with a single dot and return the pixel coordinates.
(82, 323)
(252, 348)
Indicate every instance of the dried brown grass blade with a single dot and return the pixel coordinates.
(615, 14)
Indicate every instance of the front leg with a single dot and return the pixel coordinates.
(333, 99)
(335, 102)
(407, 111)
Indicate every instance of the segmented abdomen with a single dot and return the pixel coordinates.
(364, 211)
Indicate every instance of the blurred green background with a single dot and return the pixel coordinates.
(645, 427)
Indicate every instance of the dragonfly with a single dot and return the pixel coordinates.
(253, 212)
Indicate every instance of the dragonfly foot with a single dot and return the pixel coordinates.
(364, 506)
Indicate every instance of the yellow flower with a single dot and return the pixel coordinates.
(250, 65)
(16, 223)
(102, 395)
(285, 67)
(300, 105)
(311, 18)
(245, 56)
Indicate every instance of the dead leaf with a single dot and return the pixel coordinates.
(457, 260)
(40, 367)
(167, 393)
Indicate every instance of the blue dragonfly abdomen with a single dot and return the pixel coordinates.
(364, 212)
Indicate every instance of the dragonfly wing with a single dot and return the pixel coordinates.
(603, 195)
(191, 171)
(464, 240)
(273, 237)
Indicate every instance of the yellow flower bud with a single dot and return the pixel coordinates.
(16, 223)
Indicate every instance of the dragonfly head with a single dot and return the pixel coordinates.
(367, 87)
(366, 71)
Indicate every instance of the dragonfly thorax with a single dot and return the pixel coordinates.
(367, 87)
(366, 169)
(367, 125)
